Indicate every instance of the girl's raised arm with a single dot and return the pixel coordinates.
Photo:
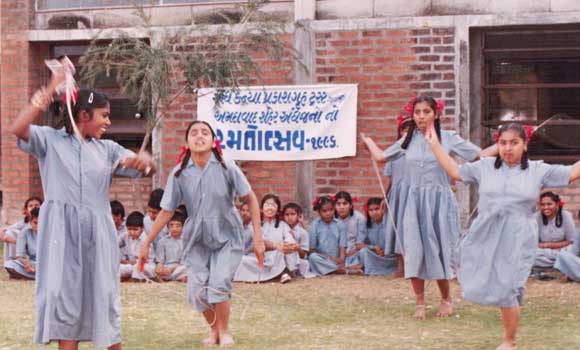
(448, 163)
(39, 104)
(373, 148)
(575, 173)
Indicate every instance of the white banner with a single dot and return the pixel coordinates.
(283, 123)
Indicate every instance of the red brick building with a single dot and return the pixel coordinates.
(485, 59)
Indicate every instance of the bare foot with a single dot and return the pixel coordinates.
(565, 279)
(445, 308)
(419, 312)
(211, 340)
(226, 339)
(506, 345)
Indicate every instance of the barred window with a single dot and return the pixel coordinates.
(531, 75)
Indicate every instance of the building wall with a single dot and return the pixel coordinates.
(393, 50)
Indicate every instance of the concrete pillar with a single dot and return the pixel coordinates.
(305, 11)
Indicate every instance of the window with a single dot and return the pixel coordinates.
(78, 4)
(531, 75)
(126, 128)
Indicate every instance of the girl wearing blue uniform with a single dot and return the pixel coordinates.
(274, 231)
(10, 234)
(371, 241)
(77, 269)
(24, 266)
(497, 253)
(557, 230)
(354, 222)
(328, 240)
(568, 262)
(430, 221)
(213, 242)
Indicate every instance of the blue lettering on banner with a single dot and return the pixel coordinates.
(254, 139)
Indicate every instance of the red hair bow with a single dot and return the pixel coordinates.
(496, 136)
(184, 150)
(440, 106)
(561, 203)
(529, 131)
(333, 198)
(355, 199)
(74, 97)
(218, 146)
(315, 201)
(409, 107)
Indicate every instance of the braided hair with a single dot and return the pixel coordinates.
(554, 197)
(187, 156)
(413, 126)
(519, 129)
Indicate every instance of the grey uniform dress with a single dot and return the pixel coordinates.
(213, 242)
(248, 239)
(297, 235)
(25, 248)
(373, 263)
(326, 239)
(170, 254)
(77, 268)
(497, 254)
(12, 231)
(569, 262)
(354, 224)
(546, 257)
(398, 194)
(274, 264)
(430, 222)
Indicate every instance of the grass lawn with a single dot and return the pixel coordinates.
(336, 312)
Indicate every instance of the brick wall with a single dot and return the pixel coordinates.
(265, 177)
(390, 66)
(20, 75)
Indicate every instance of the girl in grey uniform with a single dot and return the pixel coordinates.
(556, 229)
(371, 241)
(568, 262)
(77, 267)
(430, 220)
(498, 251)
(213, 242)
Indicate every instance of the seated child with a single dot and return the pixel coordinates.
(10, 234)
(273, 232)
(556, 230)
(118, 213)
(153, 209)
(371, 241)
(170, 265)
(354, 222)
(568, 262)
(328, 241)
(131, 248)
(248, 229)
(296, 244)
(24, 266)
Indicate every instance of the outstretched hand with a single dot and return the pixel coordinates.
(143, 257)
(259, 249)
(141, 162)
